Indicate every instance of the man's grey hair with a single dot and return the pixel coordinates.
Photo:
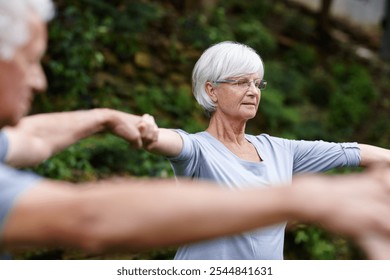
(14, 25)
(221, 61)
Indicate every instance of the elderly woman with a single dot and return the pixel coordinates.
(227, 83)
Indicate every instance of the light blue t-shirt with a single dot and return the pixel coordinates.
(12, 183)
(205, 157)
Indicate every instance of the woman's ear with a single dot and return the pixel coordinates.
(210, 90)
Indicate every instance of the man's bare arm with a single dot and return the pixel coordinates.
(142, 214)
(38, 137)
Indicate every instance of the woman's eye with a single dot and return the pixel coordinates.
(242, 83)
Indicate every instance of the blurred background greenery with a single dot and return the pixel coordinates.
(137, 56)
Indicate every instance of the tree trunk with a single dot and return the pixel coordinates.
(385, 48)
(323, 20)
(202, 6)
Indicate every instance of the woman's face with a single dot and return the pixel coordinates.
(22, 76)
(237, 100)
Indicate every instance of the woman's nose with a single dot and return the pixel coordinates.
(252, 87)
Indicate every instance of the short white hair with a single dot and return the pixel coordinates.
(220, 61)
(14, 26)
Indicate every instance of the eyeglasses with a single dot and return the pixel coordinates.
(243, 83)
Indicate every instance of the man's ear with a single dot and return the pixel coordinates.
(210, 90)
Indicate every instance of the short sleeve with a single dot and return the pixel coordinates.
(3, 146)
(185, 163)
(12, 184)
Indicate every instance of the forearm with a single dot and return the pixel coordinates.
(169, 143)
(372, 155)
(162, 214)
(139, 214)
(38, 137)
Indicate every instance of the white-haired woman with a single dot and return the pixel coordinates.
(228, 83)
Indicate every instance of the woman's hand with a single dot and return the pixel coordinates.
(148, 130)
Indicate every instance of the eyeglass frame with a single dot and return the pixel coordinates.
(262, 84)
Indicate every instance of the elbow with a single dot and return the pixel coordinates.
(87, 231)
(82, 227)
(87, 238)
(94, 230)
(98, 223)
(31, 160)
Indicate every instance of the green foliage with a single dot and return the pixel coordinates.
(249, 9)
(316, 244)
(74, 57)
(313, 239)
(302, 57)
(100, 157)
(349, 103)
(201, 32)
(278, 119)
(320, 88)
(72, 165)
(292, 21)
(287, 80)
(253, 33)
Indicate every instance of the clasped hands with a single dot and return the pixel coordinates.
(139, 131)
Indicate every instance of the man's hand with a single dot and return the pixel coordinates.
(356, 205)
(38, 137)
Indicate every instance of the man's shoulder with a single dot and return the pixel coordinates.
(3, 146)
(12, 178)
